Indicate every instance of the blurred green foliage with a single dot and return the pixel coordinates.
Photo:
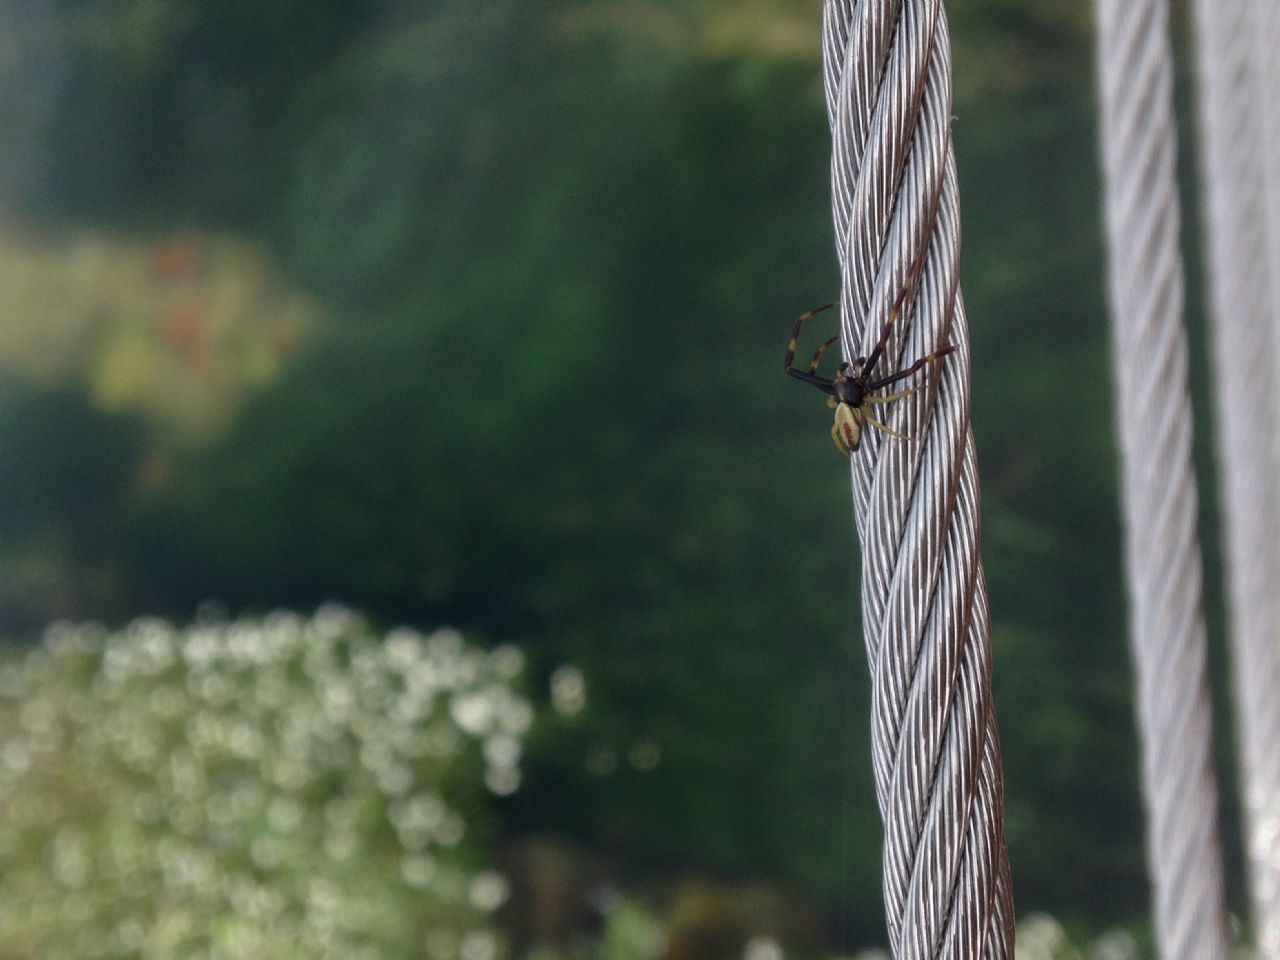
(560, 245)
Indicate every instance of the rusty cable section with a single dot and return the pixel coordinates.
(935, 743)
(1243, 337)
(1154, 427)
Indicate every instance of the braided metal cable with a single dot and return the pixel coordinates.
(1266, 34)
(1246, 414)
(935, 745)
(1167, 633)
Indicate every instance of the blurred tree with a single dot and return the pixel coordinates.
(548, 422)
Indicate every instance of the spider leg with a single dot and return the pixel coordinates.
(874, 356)
(822, 383)
(893, 396)
(903, 374)
(880, 426)
(813, 365)
(913, 278)
(795, 335)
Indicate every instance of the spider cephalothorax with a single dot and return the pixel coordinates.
(852, 387)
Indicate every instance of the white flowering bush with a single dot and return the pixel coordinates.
(279, 788)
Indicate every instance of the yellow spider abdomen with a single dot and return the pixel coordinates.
(847, 430)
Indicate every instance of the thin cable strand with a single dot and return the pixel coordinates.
(1154, 420)
(935, 745)
(1244, 371)
(1266, 34)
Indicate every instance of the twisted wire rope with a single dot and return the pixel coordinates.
(935, 744)
(1243, 343)
(1266, 34)
(1167, 631)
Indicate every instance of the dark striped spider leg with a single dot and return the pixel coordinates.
(852, 389)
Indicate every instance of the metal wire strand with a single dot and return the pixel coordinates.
(1266, 34)
(1167, 632)
(935, 745)
(1243, 341)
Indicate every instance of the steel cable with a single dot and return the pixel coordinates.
(1245, 372)
(1266, 34)
(935, 744)
(1154, 422)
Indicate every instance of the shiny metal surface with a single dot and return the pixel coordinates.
(1243, 337)
(1154, 427)
(935, 744)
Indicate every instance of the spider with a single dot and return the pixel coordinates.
(852, 387)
